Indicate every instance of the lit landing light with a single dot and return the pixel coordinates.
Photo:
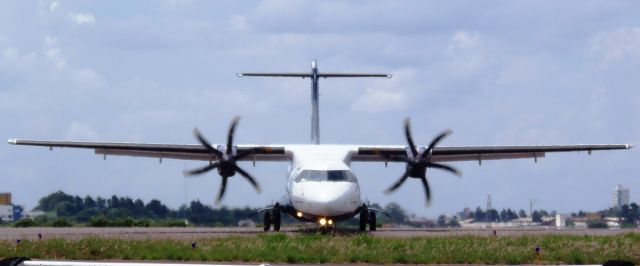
(299, 214)
(322, 221)
(330, 222)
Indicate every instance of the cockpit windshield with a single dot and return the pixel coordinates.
(331, 176)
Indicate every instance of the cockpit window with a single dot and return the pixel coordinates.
(331, 175)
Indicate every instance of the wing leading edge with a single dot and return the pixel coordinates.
(480, 153)
(168, 151)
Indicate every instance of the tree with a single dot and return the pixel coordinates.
(522, 214)
(396, 212)
(48, 203)
(479, 215)
(101, 204)
(635, 212)
(454, 222)
(536, 217)
(442, 221)
(158, 209)
(89, 203)
(628, 214)
(139, 209)
(492, 215)
(114, 202)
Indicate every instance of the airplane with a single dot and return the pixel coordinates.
(321, 187)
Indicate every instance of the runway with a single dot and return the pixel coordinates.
(9, 233)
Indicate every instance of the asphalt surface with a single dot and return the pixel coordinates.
(9, 233)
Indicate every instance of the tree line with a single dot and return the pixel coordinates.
(125, 211)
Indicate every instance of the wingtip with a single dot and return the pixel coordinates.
(390, 76)
(629, 146)
(12, 141)
(239, 75)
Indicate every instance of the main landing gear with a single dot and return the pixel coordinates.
(367, 217)
(272, 217)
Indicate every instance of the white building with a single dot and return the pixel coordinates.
(561, 220)
(620, 196)
(6, 213)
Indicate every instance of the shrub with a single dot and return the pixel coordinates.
(99, 221)
(597, 224)
(175, 223)
(24, 223)
(62, 222)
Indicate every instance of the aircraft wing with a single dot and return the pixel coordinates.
(161, 151)
(299, 75)
(477, 153)
(353, 75)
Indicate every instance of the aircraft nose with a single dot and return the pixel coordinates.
(328, 198)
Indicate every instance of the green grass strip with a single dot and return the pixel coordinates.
(311, 248)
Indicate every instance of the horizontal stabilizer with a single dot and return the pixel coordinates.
(321, 75)
(354, 75)
(295, 75)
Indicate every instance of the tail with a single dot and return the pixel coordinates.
(315, 76)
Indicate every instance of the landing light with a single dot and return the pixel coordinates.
(299, 214)
(330, 222)
(323, 221)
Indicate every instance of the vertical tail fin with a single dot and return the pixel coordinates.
(315, 76)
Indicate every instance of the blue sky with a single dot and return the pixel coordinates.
(496, 73)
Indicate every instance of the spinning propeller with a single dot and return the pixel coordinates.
(418, 160)
(227, 160)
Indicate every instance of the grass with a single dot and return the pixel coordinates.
(316, 248)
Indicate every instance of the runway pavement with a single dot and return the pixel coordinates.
(9, 233)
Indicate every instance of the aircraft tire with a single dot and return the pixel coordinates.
(277, 219)
(372, 221)
(364, 218)
(267, 221)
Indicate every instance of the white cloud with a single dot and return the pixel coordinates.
(10, 53)
(87, 77)
(53, 6)
(55, 55)
(617, 45)
(50, 41)
(466, 50)
(464, 40)
(84, 18)
(374, 101)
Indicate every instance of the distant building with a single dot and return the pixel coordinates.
(620, 196)
(6, 213)
(561, 220)
(5, 198)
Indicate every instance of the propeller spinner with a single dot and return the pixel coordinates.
(418, 160)
(226, 163)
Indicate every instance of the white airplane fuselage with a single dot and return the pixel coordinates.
(320, 184)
